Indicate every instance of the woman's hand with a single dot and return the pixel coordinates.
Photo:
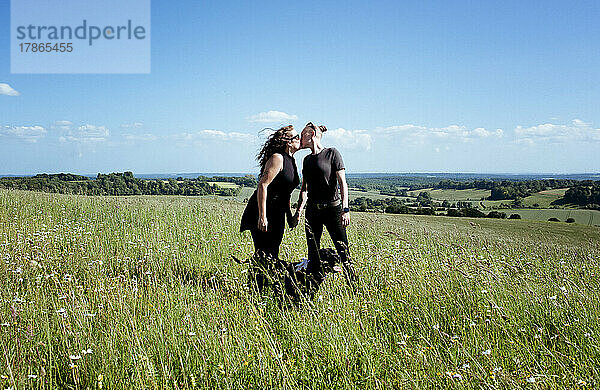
(295, 219)
(345, 219)
(262, 223)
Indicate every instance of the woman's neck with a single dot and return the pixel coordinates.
(316, 147)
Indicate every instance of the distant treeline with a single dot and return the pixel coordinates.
(119, 184)
(391, 184)
(474, 213)
(398, 206)
(388, 205)
(585, 193)
(245, 181)
(499, 189)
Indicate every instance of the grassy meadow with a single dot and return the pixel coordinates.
(544, 198)
(140, 292)
(581, 216)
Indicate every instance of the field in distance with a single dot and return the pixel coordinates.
(583, 217)
(140, 292)
(541, 200)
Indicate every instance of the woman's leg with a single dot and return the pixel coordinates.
(314, 231)
(338, 235)
(266, 251)
(257, 279)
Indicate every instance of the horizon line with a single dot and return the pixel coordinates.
(348, 173)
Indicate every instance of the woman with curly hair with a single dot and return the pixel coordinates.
(269, 205)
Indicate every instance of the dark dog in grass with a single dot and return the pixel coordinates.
(289, 280)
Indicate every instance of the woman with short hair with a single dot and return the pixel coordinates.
(325, 194)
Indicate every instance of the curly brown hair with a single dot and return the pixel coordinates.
(276, 143)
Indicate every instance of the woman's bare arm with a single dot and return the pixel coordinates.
(273, 166)
(301, 203)
(302, 197)
(341, 178)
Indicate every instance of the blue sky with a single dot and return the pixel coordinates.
(415, 86)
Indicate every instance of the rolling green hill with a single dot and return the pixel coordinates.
(140, 292)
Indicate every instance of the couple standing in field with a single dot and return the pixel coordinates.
(323, 172)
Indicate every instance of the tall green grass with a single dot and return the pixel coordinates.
(140, 292)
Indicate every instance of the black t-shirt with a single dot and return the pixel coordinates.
(319, 172)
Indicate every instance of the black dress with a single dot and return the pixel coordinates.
(278, 201)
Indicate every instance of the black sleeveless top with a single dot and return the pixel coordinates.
(278, 195)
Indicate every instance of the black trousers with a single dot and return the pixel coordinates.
(329, 218)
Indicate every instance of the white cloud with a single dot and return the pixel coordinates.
(140, 137)
(213, 135)
(6, 89)
(86, 133)
(483, 133)
(421, 134)
(349, 139)
(26, 133)
(576, 131)
(135, 125)
(272, 116)
(408, 133)
(450, 131)
(62, 125)
(94, 131)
